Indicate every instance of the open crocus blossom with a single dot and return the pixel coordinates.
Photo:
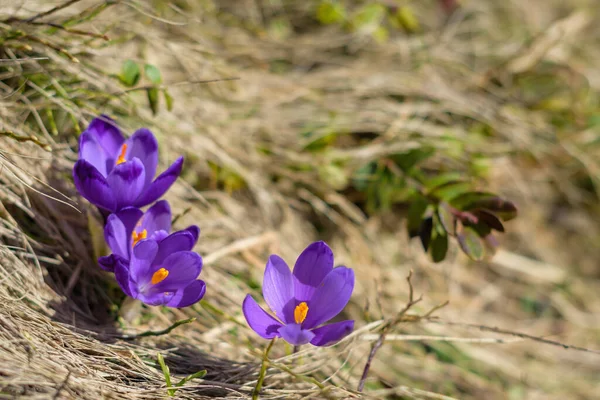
(113, 173)
(163, 272)
(303, 300)
(126, 228)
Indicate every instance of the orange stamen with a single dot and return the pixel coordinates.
(300, 312)
(121, 158)
(159, 276)
(138, 236)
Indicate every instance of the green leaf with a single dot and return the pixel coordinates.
(166, 373)
(406, 161)
(490, 219)
(451, 190)
(130, 73)
(407, 19)
(153, 99)
(330, 12)
(471, 243)
(197, 375)
(446, 218)
(500, 207)
(416, 211)
(425, 232)
(442, 179)
(168, 100)
(153, 74)
(439, 247)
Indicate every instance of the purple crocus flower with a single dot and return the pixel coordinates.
(163, 272)
(125, 228)
(303, 300)
(113, 173)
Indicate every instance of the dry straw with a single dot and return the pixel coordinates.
(61, 335)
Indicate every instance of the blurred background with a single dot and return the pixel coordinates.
(456, 139)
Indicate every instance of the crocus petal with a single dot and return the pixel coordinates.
(122, 277)
(155, 298)
(294, 334)
(141, 261)
(330, 297)
(157, 218)
(332, 333)
(312, 266)
(93, 186)
(105, 130)
(145, 250)
(177, 241)
(127, 182)
(130, 217)
(188, 295)
(195, 231)
(116, 236)
(91, 151)
(262, 323)
(159, 236)
(160, 184)
(108, 263)
(143, 145)
(278, 289)
(183, 266)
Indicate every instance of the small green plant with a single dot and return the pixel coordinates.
(441, 204)
(130, 73)
(171, 389)
(130, 76)
(377, 19)
(225, 178)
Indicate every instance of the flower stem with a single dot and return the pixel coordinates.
(263, 370)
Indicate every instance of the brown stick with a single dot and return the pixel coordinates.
(52, 10)
(494, 329)
(386, 328)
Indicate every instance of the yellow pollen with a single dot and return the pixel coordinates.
(121, 158)
(300, 312)
(138, 236)
(159, 276)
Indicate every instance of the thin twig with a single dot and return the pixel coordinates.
(263, 370)
(159, 333)
(494, 329)
(419, 338)
(31, 138)
(21, 60)
(62, 385)
(52, 10)
(386, 328)
(71, 30)
(181, 83)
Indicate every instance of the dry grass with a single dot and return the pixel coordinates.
(525, 71)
